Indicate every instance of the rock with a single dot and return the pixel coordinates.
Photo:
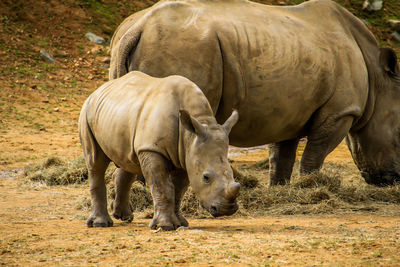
(376, 5)
(56, 109)
(46, 56)
(396, 36)
(395, 24)
(94, 38)
(106, 60)
(61, 53)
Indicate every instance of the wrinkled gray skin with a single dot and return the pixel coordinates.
(165, 130)
(310, 70)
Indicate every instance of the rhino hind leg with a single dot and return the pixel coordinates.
(323, 140)
(181, 183)
(97, 163)
(156, 170)
(282, 156)
(96, 169)
(121, 207)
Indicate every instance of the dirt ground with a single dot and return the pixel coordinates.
(43, 226)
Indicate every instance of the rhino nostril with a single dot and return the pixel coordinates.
(213, 210)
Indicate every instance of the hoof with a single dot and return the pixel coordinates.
(167, 224)
(94, 221)
(123, 217)
(182, 220)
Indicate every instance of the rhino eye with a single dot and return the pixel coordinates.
(206, 179)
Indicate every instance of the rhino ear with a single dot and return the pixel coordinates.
(388, 60)
(191, 124)
(231, 121)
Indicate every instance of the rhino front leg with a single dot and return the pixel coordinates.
(282, 156)
(323, 140)
(181, 183)
(156, 170)
(123, 182)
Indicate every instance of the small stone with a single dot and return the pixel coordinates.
(45, 101)
(182, 228)
(46, 56)
(396, 36)
(63, 99)
(56, 109)
(94, 38)
(61, 53)
(395, 24)
(106, 60)
(376, 5)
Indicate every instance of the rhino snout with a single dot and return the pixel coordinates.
(223, 210)
(381, 178)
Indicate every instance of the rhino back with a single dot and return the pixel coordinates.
(137, 113)
(276, 65)
(119, 111)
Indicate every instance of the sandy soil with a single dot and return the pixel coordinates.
(43, 226)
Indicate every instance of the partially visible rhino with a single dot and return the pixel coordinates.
(310, 70)
(165, 130)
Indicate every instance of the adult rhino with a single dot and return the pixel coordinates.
(310, 70)
(163, 128)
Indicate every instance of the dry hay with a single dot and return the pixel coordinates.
(59, 171)
(336, 188)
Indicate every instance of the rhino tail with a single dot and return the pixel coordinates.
(121, 51)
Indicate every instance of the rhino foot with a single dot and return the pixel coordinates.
(99, 221)
(182, 220)
(123, 215)
(166, 223)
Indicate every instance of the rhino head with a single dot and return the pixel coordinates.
(375, 147)
(207, 165)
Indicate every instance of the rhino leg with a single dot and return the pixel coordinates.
(181, 183)
(123, 182)
(156, 170)
(282, 156)
(323, 140)
(97, 163)
(99, 216)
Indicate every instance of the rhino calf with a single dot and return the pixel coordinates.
(164, 129)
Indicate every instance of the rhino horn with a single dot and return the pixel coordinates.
(191, 124)
(231, 121)
(233, 191)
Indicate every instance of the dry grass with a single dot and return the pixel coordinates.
(335, 188)
(59, 171)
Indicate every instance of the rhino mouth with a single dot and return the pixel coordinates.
(222, 210)
(384, 178)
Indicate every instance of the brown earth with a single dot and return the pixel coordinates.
(39, 107)
(44, 226)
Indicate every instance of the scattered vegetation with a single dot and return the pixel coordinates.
(329, 191)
